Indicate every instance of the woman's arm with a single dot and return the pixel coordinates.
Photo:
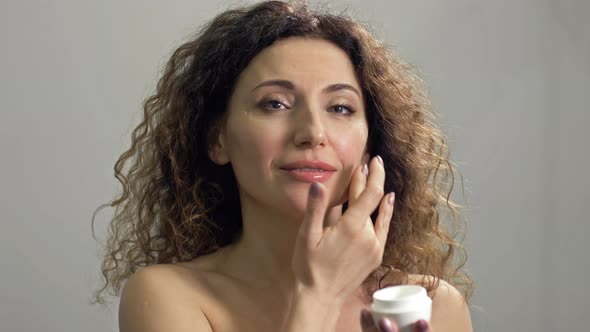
(330, 263)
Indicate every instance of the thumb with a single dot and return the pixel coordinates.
(367, 323)
(313, 221)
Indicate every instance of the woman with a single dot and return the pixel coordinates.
(259, 190)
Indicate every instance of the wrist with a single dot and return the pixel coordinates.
(316, 298)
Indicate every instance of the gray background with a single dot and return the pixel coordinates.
(510, 79)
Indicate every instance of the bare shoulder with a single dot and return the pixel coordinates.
(450, 311)
(161, 298)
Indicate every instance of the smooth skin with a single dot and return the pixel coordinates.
(298, 242)
(335, 260)
(159, 299)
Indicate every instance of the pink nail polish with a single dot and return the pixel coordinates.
(314, 190)
(422, 326)
(366, 319)
(365, 170)
(391, 198)
(385, 325)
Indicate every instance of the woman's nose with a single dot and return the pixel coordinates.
(309, 129)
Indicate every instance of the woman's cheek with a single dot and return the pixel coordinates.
(351, 149)
(344, 196)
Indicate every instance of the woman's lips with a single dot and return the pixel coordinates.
(309, 170)
(309, 175)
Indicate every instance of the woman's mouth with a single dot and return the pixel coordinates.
(309, 170)
(309, 174)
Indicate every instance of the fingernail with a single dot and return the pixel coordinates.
(366, 319)
(421, 325)
(315, 190)
(385, 325)
(365, 170)
(391, 198)
(380, 160)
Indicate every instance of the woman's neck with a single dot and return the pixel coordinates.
(261, 257)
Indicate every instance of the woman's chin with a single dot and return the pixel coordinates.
(298, 207)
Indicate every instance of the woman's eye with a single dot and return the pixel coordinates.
(273, 104)
(343, 109)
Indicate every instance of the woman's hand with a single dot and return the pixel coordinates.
(386, 325)
(333, 262)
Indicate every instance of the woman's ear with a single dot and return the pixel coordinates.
(217, 148)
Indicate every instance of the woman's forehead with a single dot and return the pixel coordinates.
(303, 61)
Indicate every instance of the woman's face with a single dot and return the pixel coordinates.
(297, 101)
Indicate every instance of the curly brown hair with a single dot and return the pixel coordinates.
(177, 205)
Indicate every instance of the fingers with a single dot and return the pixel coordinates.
(384, 218)
(385, 325)
(357, 183)
(372, 194)
(422, 326)
(368, 325)
(313, 221)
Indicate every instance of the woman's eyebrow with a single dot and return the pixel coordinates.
(290, 86)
